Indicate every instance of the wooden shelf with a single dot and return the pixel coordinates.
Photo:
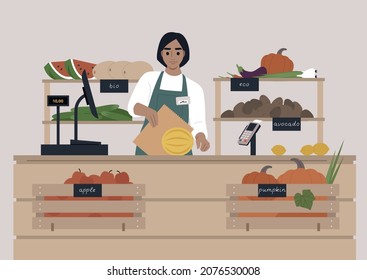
(92, 81)
(277, 79)
(95, 122)
(47, 110)
(262, 119)
(319, 119)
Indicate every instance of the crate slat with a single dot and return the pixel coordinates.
(88, 206)
(283, 223)
(235, 206)
(88, 223)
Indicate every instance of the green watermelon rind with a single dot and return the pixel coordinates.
(53, 73)
(70, 68)
(48, 71)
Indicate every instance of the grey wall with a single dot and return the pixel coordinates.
(325, 35)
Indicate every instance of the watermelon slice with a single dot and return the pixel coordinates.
(75, 68)
(57, 71)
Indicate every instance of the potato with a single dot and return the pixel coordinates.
(134, 70)
(102, 70)
(117, 69)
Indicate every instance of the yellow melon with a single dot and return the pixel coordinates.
(177, 141)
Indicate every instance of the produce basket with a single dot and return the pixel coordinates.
(248, 210)
(73, 206)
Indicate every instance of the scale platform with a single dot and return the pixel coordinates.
(65, 149)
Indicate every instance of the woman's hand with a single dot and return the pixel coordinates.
(150, 114)
(201, 142)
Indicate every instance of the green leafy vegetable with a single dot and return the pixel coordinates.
(334, 167)
(305, 199)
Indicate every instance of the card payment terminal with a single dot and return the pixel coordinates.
(249, 132)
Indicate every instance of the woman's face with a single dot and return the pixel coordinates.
(173, 55)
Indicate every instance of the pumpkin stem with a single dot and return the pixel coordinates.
(281, 50)
(265, 168)
(299, 163)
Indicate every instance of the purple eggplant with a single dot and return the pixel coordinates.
(256, 73)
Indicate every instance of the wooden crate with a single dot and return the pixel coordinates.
(249, 211)
(119, 207)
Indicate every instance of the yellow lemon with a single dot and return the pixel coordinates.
(177, 141)
(307, 150)
(320, 149)
(278, 150)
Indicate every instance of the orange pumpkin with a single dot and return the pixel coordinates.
(301, 175)
(259, 177)
(277, 63)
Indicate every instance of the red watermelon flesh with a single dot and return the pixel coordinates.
(57, 70)
(76, 67)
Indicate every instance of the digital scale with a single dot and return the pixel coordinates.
(76, 146)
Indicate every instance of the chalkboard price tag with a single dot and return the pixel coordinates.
(272, 190)
(87, 190)
(286, 124)
(114, 86)
(242, 84)
(57, 100)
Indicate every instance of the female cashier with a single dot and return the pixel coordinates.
(158, 88)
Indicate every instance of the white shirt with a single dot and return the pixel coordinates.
(144, 89)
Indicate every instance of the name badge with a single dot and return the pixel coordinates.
(183, 100)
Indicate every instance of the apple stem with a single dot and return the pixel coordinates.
(118, 171)
(110, 171)
(79, 170)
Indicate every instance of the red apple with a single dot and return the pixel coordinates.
(69, 181)
(122, 177)
(96, 179)
(107, 177)
(86, 180)
(77, 175)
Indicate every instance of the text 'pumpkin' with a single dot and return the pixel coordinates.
(277, 63)
(177, 141)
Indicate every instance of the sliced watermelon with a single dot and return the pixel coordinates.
(57, 71)
(75, 68)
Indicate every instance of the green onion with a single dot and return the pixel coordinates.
(334, 167)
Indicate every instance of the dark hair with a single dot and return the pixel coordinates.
(168, 38)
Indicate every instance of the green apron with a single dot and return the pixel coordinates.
(167, 97)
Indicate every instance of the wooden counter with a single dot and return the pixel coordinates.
(184, 210)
